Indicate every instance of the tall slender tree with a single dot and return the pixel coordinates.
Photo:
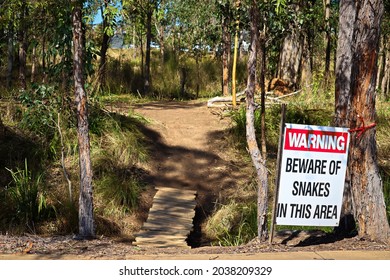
(226, 18)
(86, 217)
(356, 72)
(258, 159)
(23, 44)
(147, 77)
(108, 20)
(327, 40)
(10, 65)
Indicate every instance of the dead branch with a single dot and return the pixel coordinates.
(210, 102)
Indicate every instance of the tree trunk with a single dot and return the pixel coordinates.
(86, 219)
(328, 41)
(381, 63)
(384, 80)
(44, 70)
(34, 63)
(342, 99)
(234, 69)
(357, 53)
(290, 58)
(147, 83)
(291, 53)
(305, 70)
(161, 39)
(141, 48)
(22, 38)
(262, 56)
(103, 49)
(226, 49)
(10, 65)
(257, 159)
(183, 80)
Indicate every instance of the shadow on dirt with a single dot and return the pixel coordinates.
(306, 238)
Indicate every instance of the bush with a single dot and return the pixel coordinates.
(233, 224)
(41, 107)
(119, 191)
(25, 198)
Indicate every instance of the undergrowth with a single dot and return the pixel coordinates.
(47, 121)
(25, 200)
(233, 224)
(177, 76)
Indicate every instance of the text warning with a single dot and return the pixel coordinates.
(312, 176)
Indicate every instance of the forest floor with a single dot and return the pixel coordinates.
(188, 150)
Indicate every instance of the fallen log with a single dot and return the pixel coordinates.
(210, 102)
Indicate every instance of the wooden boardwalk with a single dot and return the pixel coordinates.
(170, 219)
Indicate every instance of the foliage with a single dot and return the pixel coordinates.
(41, 103)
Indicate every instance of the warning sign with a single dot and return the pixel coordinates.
(312, 175)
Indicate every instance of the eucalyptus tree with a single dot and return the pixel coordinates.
(8, 25)
(328, 39)
(86, 216)
(296, 30)
(225, 9)
(198, 30)
(23, 42)
(383, 84)
(294, 44)
(110, 12)
(142, 11)
(356, 73)
(162, 21)
(258, 159)
(15, 20)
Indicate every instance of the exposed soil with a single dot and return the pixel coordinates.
(188, 150)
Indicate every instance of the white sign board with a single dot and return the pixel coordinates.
(312, 175)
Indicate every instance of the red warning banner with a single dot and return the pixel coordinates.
(315, 140)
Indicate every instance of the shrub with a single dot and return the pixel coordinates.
(26, 198)
(233, 224)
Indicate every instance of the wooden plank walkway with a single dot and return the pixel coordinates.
(170, 219)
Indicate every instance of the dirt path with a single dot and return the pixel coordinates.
(190, 152)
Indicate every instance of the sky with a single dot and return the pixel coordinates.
(98, 18)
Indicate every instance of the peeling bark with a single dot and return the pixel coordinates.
(355, 99)
(86, 219)
(342, 99)
(257, 159)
